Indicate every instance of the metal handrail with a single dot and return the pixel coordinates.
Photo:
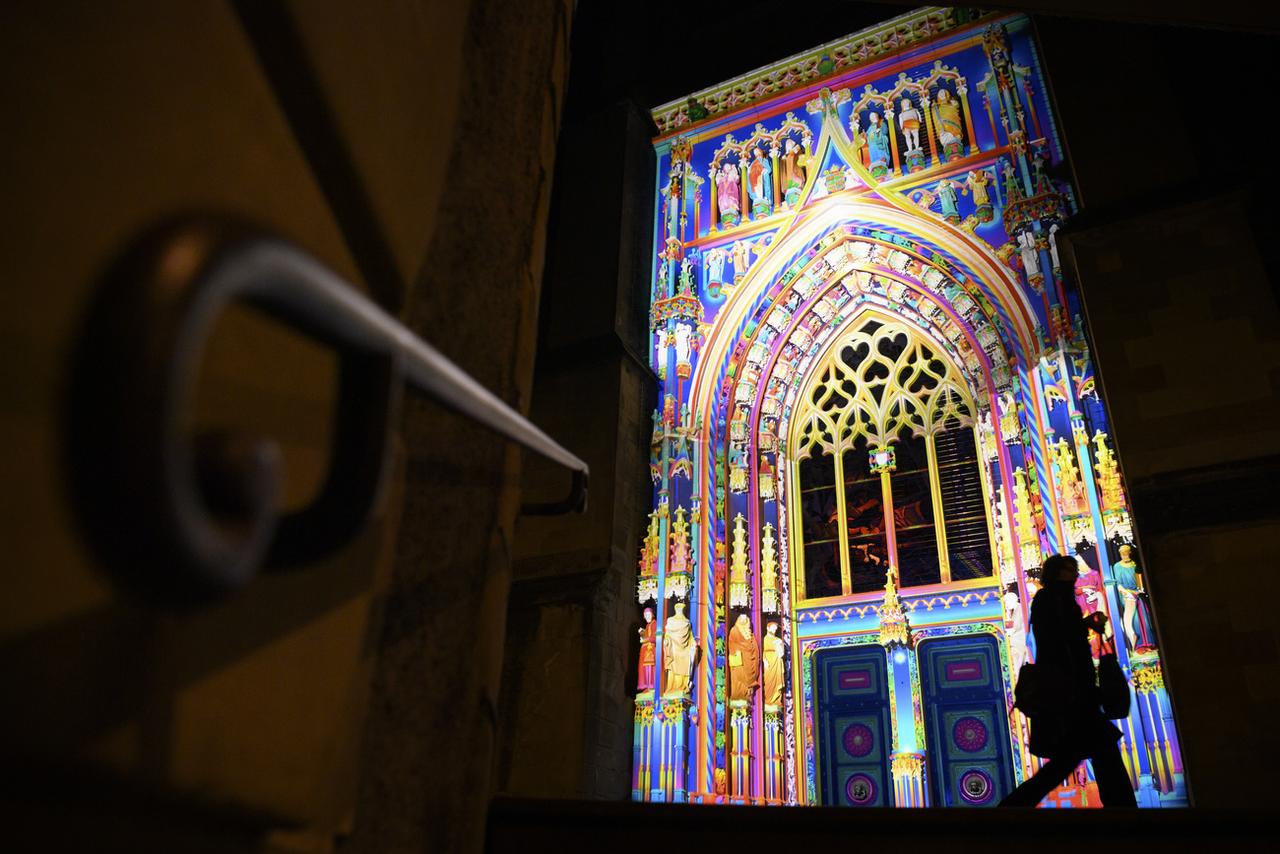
(183, 518)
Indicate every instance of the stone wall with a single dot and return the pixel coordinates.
(1187, 340)
(569, 674)
(1180, 284)
(410, 147)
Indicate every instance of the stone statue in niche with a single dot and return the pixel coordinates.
(660, 350)
(793, 171)
(760, 183)
(742, 250)
(1040, 180)
(674, 199)
(715, 267)
(744, 660)
(1030, 258)
(950, 130)
(909, 122)
(1012, 186)
(684, 337)
(687, 285)
(1088, 587)
(877, 134)
(728, 196)
(977, 182)
(1014, 629)
(648, 649)
(1133, 620)
(947, 199)
(773, 667)
(678, 651)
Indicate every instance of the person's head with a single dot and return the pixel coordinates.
(772, 628)
(743, 624)
(944, 95)
(790, 145)
(1059, 569)
(648, 615)
(1126, 551)
(906, 103)
(874, 118)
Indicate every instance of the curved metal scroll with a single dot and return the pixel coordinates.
(184, 518)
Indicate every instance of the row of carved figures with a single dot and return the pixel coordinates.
(772, 177)
(941, 120)
(749, 668)
(765, 182)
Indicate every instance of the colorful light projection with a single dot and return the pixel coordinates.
(878, 414)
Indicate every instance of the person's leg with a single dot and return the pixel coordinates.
(1130, 620)
(1049, 777)
(1114, 786)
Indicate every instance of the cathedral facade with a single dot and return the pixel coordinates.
(878, 415)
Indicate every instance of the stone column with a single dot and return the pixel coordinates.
(429, 739)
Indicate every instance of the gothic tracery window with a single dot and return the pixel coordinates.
(888, 468)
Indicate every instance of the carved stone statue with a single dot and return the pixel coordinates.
(1128, 585)
(678, 651)
(1030, 258)
(877, 144)
(728, 196)
(674, 200)
(793, 172)
(1012, 186)
(760, 183)
(950, 131)
(686, 276)
(947, 199)
(773, 666)
(1088, 587)
(742, 250)
(683, 336)
(1014, 628)
(648, 649)
(715, 265)
(744, 660)
(977, 181)
(909, 121)
(1039, 179)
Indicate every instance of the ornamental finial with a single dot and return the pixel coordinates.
(894, 629)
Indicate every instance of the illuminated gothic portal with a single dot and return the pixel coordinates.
(878, 414)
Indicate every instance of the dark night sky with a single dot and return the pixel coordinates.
(653, 52)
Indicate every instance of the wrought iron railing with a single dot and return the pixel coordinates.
(183, 518)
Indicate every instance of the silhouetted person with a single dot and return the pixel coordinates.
(1072, 727)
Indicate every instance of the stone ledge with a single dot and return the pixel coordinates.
(519, 824)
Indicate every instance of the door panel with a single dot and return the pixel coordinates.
(853, 727)
(967, 728)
